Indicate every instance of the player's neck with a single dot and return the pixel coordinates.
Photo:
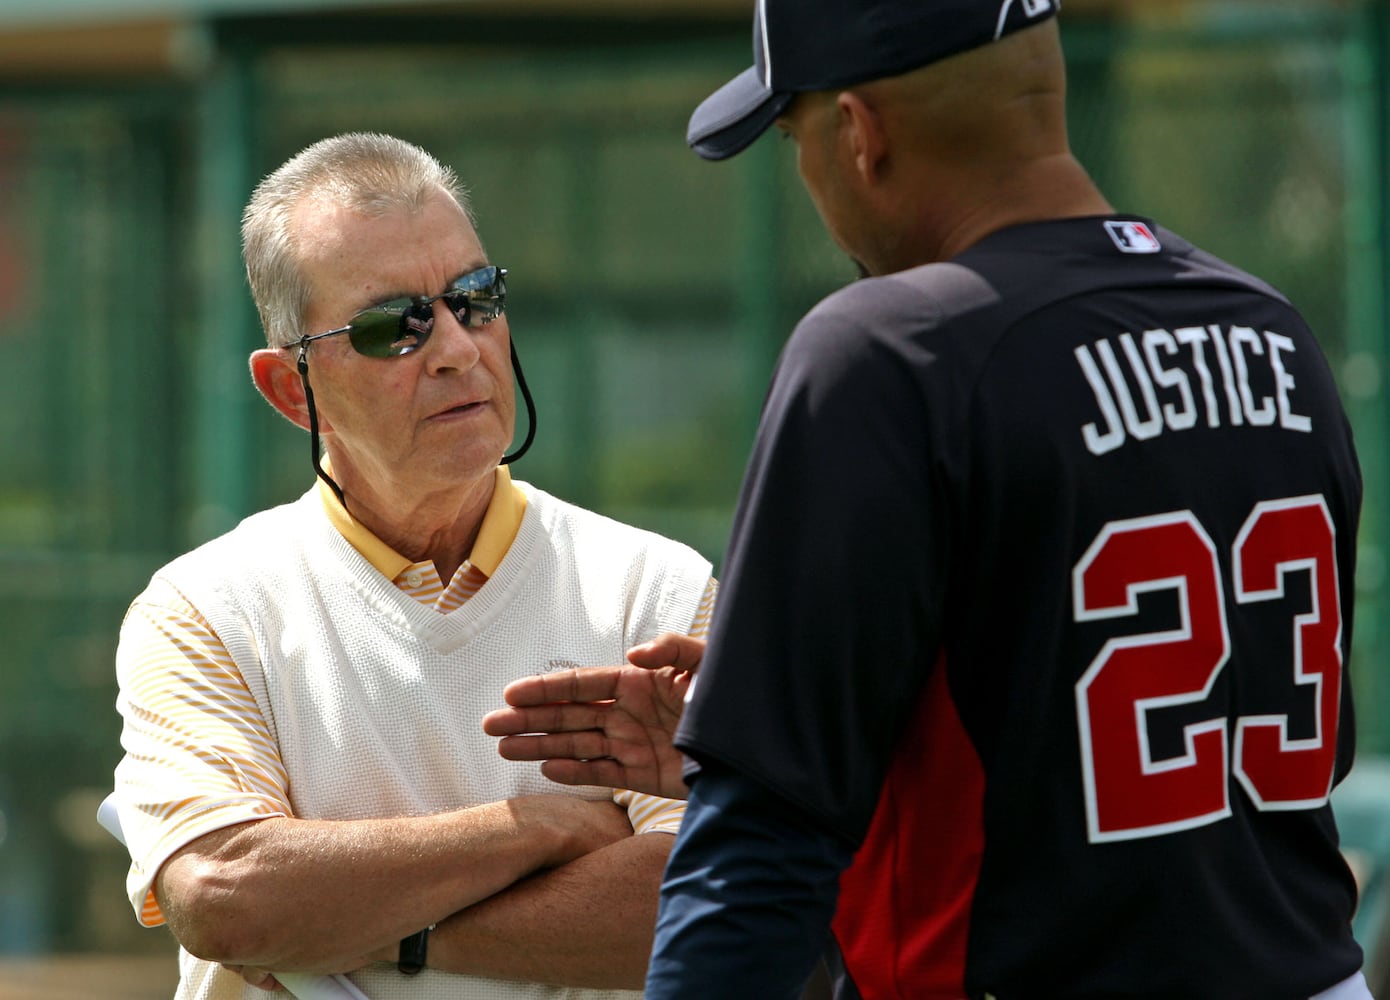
(949, 223)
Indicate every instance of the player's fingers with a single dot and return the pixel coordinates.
(582, 684)
(608, 773)
(670, 649)
(507, 722)
(564, 718)
(557, 746)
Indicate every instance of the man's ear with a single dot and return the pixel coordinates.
(863, 130)
(277, 377)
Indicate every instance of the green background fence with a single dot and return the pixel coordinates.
(650, 292)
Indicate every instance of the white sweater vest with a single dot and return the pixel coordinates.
(375, 700)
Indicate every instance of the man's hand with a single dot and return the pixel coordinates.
(604, 725)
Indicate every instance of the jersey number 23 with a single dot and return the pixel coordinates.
(1131, 794)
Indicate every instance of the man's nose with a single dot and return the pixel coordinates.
(451, 344)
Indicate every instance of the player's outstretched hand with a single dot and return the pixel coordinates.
(604, 725)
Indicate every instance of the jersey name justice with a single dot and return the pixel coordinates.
(1225, 363)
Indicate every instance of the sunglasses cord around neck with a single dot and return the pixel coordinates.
(316, 452)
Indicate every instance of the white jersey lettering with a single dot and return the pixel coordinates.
(1150, 426)
(1262, 415)
(1098, 443)
(1283, 384)
(1177, 419)
(1146, 387)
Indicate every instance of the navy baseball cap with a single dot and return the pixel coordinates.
(821, 44)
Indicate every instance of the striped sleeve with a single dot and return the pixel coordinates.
(650, 813)
(699, 628)
(198, 754)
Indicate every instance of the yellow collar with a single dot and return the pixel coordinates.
(495, 535)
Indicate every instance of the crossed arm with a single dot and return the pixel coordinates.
(607, 726)
(539, 888)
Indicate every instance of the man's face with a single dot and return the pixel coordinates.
(427, 422)
(810, 122)
(814, 123)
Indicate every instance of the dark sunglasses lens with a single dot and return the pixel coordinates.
(403, 325)
(460, 307)
(479, 297)
(473, 309)
(389, 333)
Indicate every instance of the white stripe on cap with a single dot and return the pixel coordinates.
(1031, 8)
(767, 50)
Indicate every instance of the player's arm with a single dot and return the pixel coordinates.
(748, 866)
(828, 630)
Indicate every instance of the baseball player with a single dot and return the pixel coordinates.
(1028, 676)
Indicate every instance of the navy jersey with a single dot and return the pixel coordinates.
(1039, 595)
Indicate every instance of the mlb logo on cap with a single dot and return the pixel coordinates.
(1133, 237)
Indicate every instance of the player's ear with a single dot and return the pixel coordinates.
(863, 130)
(277, 378)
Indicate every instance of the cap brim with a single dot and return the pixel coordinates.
(733, 116)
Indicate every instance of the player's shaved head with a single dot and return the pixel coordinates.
(912, 168)
(1007, 99)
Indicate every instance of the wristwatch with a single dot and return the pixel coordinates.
(413, 949)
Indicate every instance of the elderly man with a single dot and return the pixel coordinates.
(1028, 675)
(306, 786)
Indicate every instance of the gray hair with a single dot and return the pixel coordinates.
(364, 171)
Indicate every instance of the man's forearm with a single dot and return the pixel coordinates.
(588, 923)
(308, 895)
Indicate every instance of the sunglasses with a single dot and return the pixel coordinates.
(400, 326)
